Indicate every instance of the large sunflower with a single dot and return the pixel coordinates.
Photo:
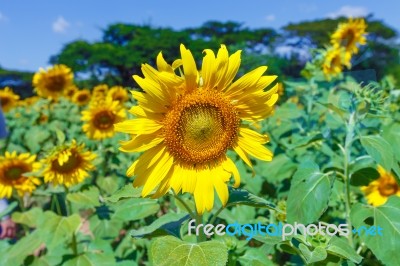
(8, 99)
(100, 118)
(53, 82)
(349, 34)
(12, 170)
(68, 164)
(335, 59)
(186, 123)
(378, 191)
(81, 97)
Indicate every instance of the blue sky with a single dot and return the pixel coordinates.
(32, 31)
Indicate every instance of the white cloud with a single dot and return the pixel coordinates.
(3, 17)
(60, 25)
(349, 11)
(270, 17)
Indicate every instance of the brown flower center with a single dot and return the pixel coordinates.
(74, 161)
(56, 83)
(104, 119)
(201, 127)
(388, 188)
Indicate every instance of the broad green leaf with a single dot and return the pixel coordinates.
(364, 176)
(134, 209)
(318, 254)
(108, 184)
(128, 191)
(168, 224)
(58, 228)
(308, 195)
(340, 247)
(170, 250)
(280, 168)
(105, 228)
(29, 218)
(88, 198)
(384, 247)
(391, 133)
(255, 257)
(16, 254)
(243, 197)
(379, 149)
(91, 259)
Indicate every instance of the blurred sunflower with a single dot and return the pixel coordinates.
(69, 92)
(100, 119)
(53, 82)
(378, 191)
(118, 93)
(81, 97)
(334, 61)
(68, 164)
(186, 123)
(99, 93)
(349, 34)
(8, 99)
(12, 170)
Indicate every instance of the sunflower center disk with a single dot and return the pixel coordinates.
(388, 188)
(14, 173)
(200, 128)
(56, 83)
(72, 164)
(104, 120)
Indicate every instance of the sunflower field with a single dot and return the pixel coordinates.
(204, 164)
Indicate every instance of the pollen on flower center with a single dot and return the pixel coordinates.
(201, 127)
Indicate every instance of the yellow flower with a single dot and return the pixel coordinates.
(12, 170)
(69, 92)
(81, 97)
(349, 34)
(378, 191)
(186, 123)
(8, 99)
(29, 101)
(68, 165)
(101, 117)
(53, 82)
(118, 93)
(334, 61)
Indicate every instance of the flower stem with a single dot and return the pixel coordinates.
(347, 153)
(201, 237)
(74, 244)
(22, 206)
(186, 206)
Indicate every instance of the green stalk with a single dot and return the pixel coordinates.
(201, 237)
(74, 244)
(23, 209)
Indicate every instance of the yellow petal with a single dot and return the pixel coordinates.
(189, 68)
(138, 126)
(141, 143)
(255, 149)
(231, 168)
(246, 82)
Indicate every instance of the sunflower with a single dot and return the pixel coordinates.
(8, 99)
(378, 191)
(12, 170)
(118, 93)
(186, 123)
(100, 118)
(334, 61)
(81, 97)
(53, 82)
(69, 92)
(68, 164)
(349, 34)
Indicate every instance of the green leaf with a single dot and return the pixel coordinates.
(384, 247)
(91, 259)
(318, 254)
(9, 209)
(308, 195)
(105, 228)
(128, 191)
(168, 224)
(134, 209)
(243, 197)
(58, 229)
(280, 168)
(108, 184)
(255, 257)
(170, 250)
(88, 198)
(29, 218)
(379, 149)
(24, 247)
(340, 247)
(364, 176)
